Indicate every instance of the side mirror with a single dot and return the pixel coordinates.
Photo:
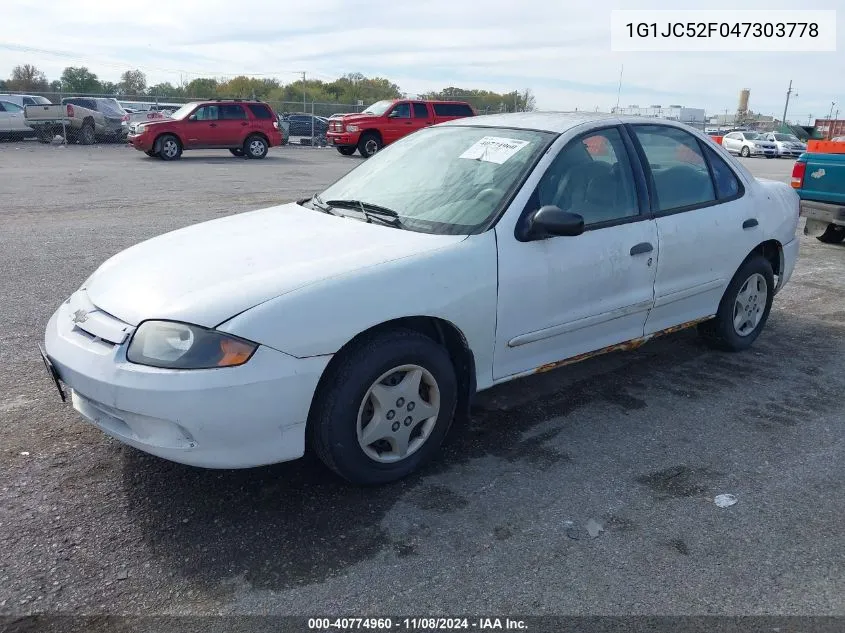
(550, 221)
(393, 114)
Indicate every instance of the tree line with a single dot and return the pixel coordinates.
(349, 89)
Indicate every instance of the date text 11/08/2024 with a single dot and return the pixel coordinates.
(415, 624)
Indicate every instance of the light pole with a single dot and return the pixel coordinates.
(829, 115)
(786, 105)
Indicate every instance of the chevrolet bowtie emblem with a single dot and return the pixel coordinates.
(80, 316)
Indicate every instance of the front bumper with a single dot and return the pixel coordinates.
(140, 142)
(235, 417)
(759, 151)
(786, 151)
(343, 139)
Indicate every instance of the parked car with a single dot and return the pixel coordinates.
(301, 124)
(462, 256)
(749, 144)
(245, 128)
(838, 139)
(787, 144)
(387, 121)
(85, 119)
(25, 100)
(822, 194)
(12, 122)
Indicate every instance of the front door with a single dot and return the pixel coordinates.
(564, 296)
(398, 123)
(202, 127)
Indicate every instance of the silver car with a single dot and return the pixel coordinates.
(749, 144)
(788, 144)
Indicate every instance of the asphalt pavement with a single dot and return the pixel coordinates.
(587, 490)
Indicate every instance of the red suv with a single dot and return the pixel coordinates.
(387, 121)
(245, 128)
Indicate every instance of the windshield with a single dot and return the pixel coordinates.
(787, 137)
(448, 180)
(753, 136)
(41, 100)
(184, 111)
(378, 108)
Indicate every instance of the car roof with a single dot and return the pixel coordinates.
(558, 122)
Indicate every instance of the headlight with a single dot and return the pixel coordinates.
(173, 345)
(351, 128)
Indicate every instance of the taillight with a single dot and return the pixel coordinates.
(69, 111)
(125, 117)
(798, 170)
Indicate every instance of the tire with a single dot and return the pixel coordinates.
(237, 151)
(44, 135)
(833, 234)
(753, 277)
(169, 147)
(256, 147)
(86, 134)
(151, 153)
(343, 407)
(369, 144)
(745, 152)
(346, 150)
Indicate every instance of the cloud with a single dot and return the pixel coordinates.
(561, 50)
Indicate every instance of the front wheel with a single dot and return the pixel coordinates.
(346, 151)
(744, 308)
(151, 153)
(86, 134)
(369, 144)
(745, 152)
(169, 147)
(833, 234)
(384, 407)
(255, 147)
(236, 151)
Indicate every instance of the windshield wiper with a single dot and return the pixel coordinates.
(370, 211)
(318, 203)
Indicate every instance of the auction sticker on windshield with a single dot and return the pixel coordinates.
(494, 149)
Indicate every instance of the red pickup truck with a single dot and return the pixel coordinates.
(386, 121)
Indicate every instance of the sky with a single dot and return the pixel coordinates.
(560, 49)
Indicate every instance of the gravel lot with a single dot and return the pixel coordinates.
(638, 442)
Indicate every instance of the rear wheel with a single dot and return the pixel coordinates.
(255, 147)
(236, 151)
(86, 134)
(744, 308)
(833, 234)
(384, 407)
(44, 135)
(369, 144)
(346, 150)
(169, 147)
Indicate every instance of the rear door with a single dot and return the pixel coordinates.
(398, 122)
(5, 118)
(421, 115)
(232, 125)
(201, 127)
(706, 224)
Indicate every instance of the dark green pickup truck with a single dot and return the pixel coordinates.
(819, 180)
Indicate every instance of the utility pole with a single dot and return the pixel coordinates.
(619, 89)
(829, 115)
(304, 108)
(786, 105)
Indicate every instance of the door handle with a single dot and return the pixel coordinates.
(641, 248)
(409, 123)
(749, 224)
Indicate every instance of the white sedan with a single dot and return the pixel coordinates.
(359, 322)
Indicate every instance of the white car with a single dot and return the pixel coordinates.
(359, 322)
(787, 144)
(12, 122)
(749, 144)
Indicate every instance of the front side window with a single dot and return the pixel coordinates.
(592, 177)
(401, 111)
(206, 113)
(11, 107)
(680, 173)
(450, 180)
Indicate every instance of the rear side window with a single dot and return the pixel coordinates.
(452, 109)
(420, 111)
(2, 107)
(260, 111)
(727, 184)
(232, 111)
(28, 101)
(10, 107)
(680, 173)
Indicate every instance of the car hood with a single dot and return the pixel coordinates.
(353, 118)
(207, 273)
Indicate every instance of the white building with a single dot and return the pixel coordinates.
(673, 112)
